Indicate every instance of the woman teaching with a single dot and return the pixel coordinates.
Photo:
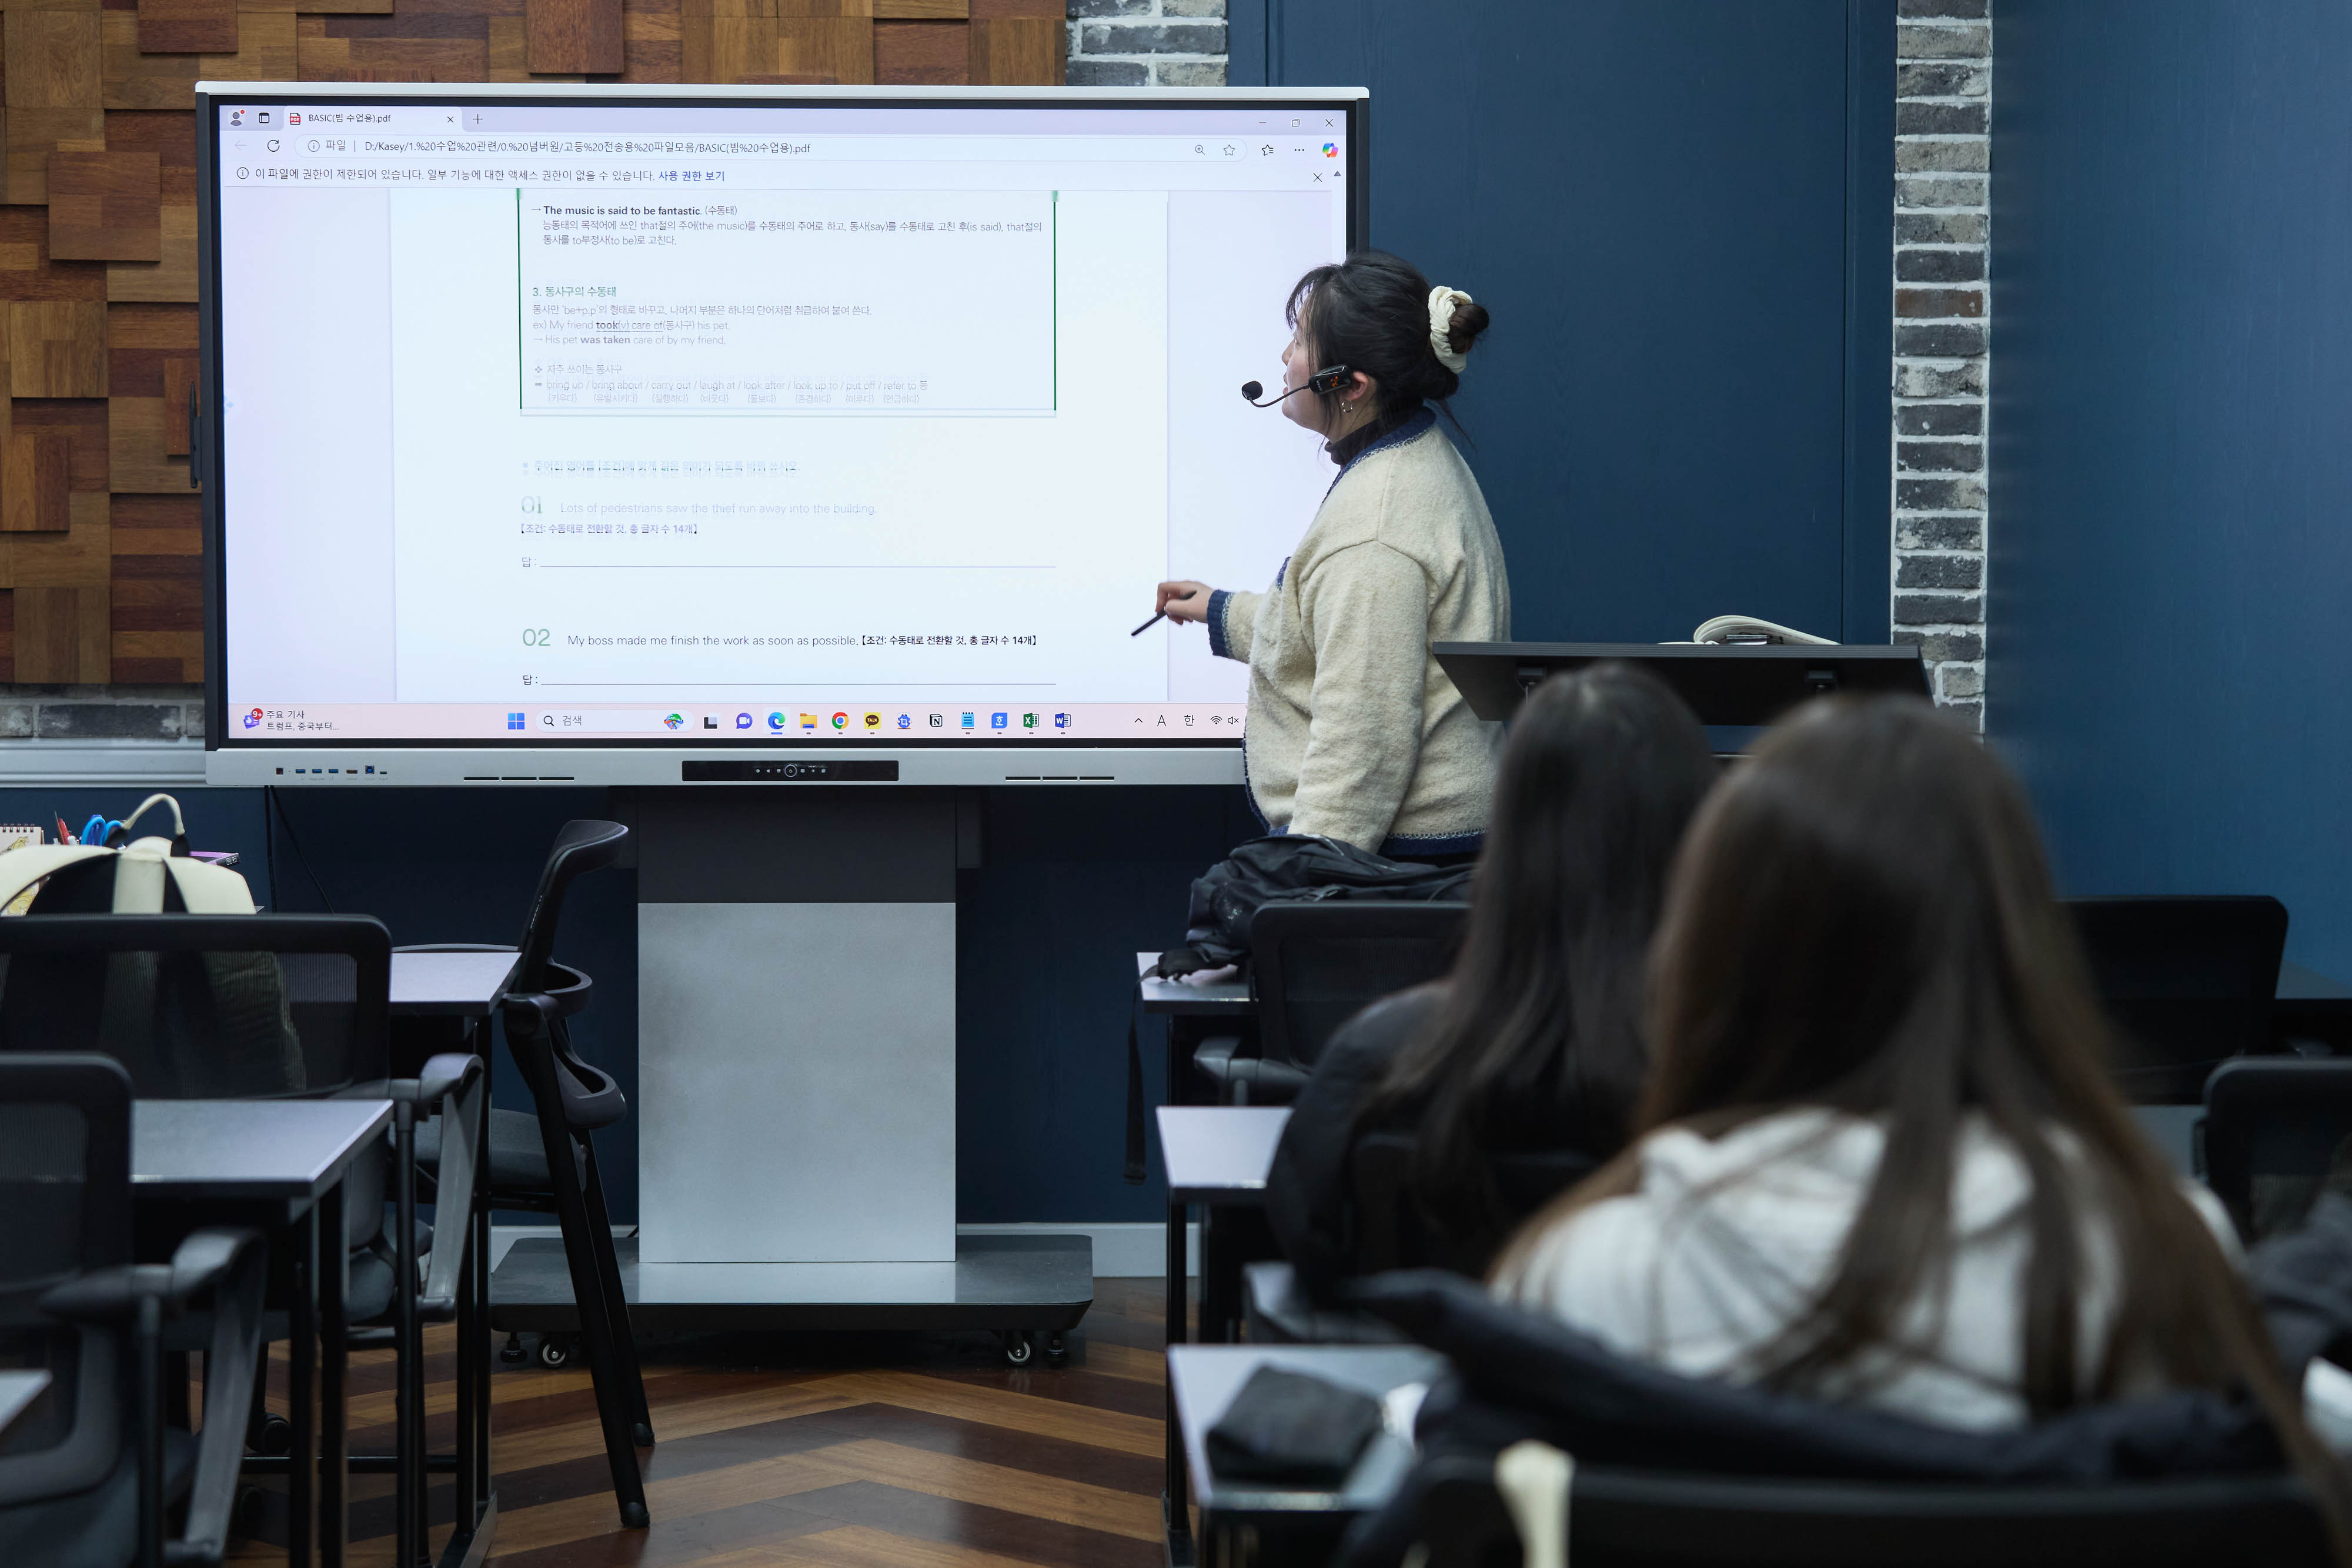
(1353, 732)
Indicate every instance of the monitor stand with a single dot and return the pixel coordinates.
(796, 1117)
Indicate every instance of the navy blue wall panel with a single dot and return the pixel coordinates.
(1651, 196)
(2173, 216)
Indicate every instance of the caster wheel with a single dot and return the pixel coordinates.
(512, 1353)
(555, 1351)
(641, 1435)
(1057, 1350)
(633, 1516)
(273, 1434)
(1020, 1350)
(246, 1517)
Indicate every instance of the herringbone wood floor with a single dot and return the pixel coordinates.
(815, 1451)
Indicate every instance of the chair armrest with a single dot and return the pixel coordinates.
(112, 1295)
(463, 1087)
(445, 1073)
(238, 1269)
(589, 1098)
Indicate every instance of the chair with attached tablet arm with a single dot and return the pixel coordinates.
(1650, 1519)
(2189, 981)
(262, 1007)
(2275, 1129)
(1314, 966)
(1388, 1232)
(544, 1160)
(91, 1473)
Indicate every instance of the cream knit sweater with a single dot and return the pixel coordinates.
(1354, 732)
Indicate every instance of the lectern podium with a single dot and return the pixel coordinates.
(1725, 684)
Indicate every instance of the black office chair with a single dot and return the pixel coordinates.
(544, 1160)
(1636, 1519)
(2189, 981)
(90, 1475)
(2276, 1129)
(1314, 966)
(1388, 1231)
(265, 1006)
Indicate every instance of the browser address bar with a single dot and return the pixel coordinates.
(818, 149)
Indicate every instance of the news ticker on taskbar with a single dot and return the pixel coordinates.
(999, 720)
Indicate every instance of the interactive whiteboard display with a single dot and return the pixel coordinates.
(856, 420)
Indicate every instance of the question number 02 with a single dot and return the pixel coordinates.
(534, 637)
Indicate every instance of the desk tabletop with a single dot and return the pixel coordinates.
(17, 1392)
(2297, 984)
(1230, 998)
(1219, 1154)
(1205, 1377)
(264, 1149)
(449, 985)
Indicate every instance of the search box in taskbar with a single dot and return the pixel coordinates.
(592, 721)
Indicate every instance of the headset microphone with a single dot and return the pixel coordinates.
(1323, 381)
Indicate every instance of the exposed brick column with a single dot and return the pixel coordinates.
(1942, 324)
(1147, 43)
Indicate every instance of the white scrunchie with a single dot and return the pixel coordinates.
(1442, 302)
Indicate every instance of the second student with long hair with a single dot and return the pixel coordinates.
(1881, 1160)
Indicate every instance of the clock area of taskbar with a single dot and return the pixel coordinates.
(999, 721)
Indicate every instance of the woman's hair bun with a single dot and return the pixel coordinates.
(1469, 319)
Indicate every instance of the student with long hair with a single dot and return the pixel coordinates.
(1533, 1042)
(1881, 1160)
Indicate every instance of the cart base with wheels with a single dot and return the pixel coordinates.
(1029, 1290)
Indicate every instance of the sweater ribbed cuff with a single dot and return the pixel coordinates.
(1218, 599)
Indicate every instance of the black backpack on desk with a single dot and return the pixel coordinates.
(1292, 868)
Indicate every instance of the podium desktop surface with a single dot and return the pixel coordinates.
(1725, 684)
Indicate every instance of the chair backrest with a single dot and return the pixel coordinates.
(1388, 1232)
(2189, 981)
(1315, 965)
(204, 1006)
(2274, 1128)
(64, 1170)
(579, 847)
(65, 1188)
(1621, 1518)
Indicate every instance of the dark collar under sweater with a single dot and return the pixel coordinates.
(1404, 423)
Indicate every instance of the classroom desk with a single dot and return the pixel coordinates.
(1194, 1014)
(278, 1163)
(17, 1392)
(449, 985)
(2309, 1005)
(1203, 1381)
(1215, 1156)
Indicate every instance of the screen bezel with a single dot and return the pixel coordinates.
(211, 97)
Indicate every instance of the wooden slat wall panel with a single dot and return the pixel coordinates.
(921, 54)
(158, 598)
(106, 207)
(187, 26)
(1018, 41)
(100, 554)
(574, 35)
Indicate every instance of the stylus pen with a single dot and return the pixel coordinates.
(1148, 625)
